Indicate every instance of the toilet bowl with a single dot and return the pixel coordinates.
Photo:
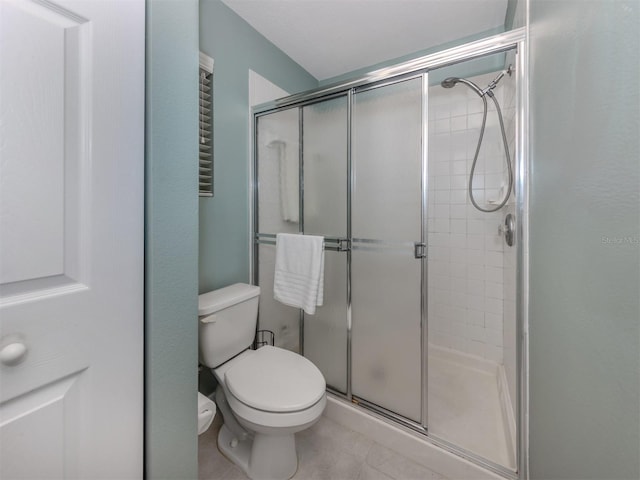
(265, 395)
(272, 393)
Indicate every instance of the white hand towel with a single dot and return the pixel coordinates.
(299, 272)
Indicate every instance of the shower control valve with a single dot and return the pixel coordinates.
(508, 229)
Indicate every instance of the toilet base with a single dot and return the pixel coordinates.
(261, 457)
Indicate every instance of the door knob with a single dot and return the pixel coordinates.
(13, 353)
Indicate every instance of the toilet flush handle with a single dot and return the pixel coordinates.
(209, 318)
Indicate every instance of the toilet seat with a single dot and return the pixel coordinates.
(258, 420)
(275, 380)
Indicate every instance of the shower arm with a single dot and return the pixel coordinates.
(494, 83)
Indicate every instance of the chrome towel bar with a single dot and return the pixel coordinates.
(335, 244)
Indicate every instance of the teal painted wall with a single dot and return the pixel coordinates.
(224, 219)
(171, 240)
(585, 239)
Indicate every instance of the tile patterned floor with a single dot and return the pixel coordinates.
(325, 451)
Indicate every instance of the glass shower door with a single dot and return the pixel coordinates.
(278, 211)
(387, 232)
(324, 141)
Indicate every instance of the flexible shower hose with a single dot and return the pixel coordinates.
(475, 157)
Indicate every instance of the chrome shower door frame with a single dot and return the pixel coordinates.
(514, 39)
(399, 246)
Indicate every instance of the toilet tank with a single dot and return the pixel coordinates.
(226, 322)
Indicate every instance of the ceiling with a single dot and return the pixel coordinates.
(332, 37)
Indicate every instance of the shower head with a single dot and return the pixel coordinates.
(449, 82)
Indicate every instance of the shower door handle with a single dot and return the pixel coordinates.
(419, 249)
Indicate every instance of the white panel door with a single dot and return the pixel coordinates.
(71, 238)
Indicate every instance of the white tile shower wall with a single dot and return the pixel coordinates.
(466, 252)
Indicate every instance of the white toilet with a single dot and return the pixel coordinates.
(265, 395)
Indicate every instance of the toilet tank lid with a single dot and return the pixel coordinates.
(222, 298)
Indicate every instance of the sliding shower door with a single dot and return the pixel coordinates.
(420, 321)
(277, 211)
(387, 235)
(325, 170)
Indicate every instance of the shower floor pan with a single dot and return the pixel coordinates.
(468, 408)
